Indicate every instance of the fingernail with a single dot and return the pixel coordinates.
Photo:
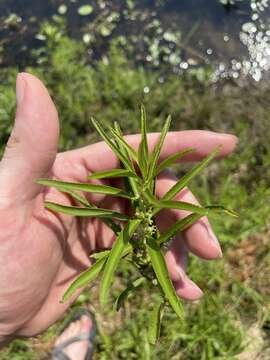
(195, 287)
(214, 241)
(184, 278)
(229, 136)
(188, 290)
(20, 88)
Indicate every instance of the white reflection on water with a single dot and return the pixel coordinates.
(255, 35)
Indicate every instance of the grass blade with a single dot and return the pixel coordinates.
(155, 323)
(190, 175)
(115, 173)
(180, 225)
(161, 271)
(156, 152)
(98, 189)
(79, 211)
(121, 242)
(85, 278)
(121, 156)
(171, 160)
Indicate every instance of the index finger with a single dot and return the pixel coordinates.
(99, 157)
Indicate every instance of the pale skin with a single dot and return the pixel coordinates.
(41, 253)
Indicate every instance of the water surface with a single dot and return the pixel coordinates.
(232, 36)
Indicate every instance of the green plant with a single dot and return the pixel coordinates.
(139, 239)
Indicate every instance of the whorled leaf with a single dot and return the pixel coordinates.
(181, 205)
(120, 154)
(143, 147)
(128, 291)
(83, 201)
(79, 198)
(180, 225)
(131, 183)
(131, 152)
(100, 254)
(121, 242)
(190, 175)
(171, 160)
(85, 187)
(221, 209)
(155, 322)
(85, 278)
(79, 211)
(115, 173)
(161, 271)
(157, 149)
(92, 272)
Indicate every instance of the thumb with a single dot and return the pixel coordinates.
(32, 146)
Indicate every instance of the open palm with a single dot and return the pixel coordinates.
(41, 252)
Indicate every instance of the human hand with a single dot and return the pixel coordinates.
(41, 252)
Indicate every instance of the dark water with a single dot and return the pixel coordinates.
(234, 36)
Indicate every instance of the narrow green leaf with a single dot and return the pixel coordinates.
(144, 130)
(190, 175)
(156, 152)
(122, 297)
(143, 147)
(121, 156)
(100, 254)
(132, 183)
(161, 271)
(81, 199)
(171, 160)
(181, 205)
(131, 152)
(128, 291)
(120, 244)
(79, 211)
(221, 209)
(85, 278)
(155, 323)
(142, 161)
(98, 189)
(180, 225)
(115, 173)
(90, 274)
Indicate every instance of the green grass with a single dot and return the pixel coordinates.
(235, 288)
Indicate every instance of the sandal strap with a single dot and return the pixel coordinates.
(58, 354)
(80, 337)
(58, 350)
